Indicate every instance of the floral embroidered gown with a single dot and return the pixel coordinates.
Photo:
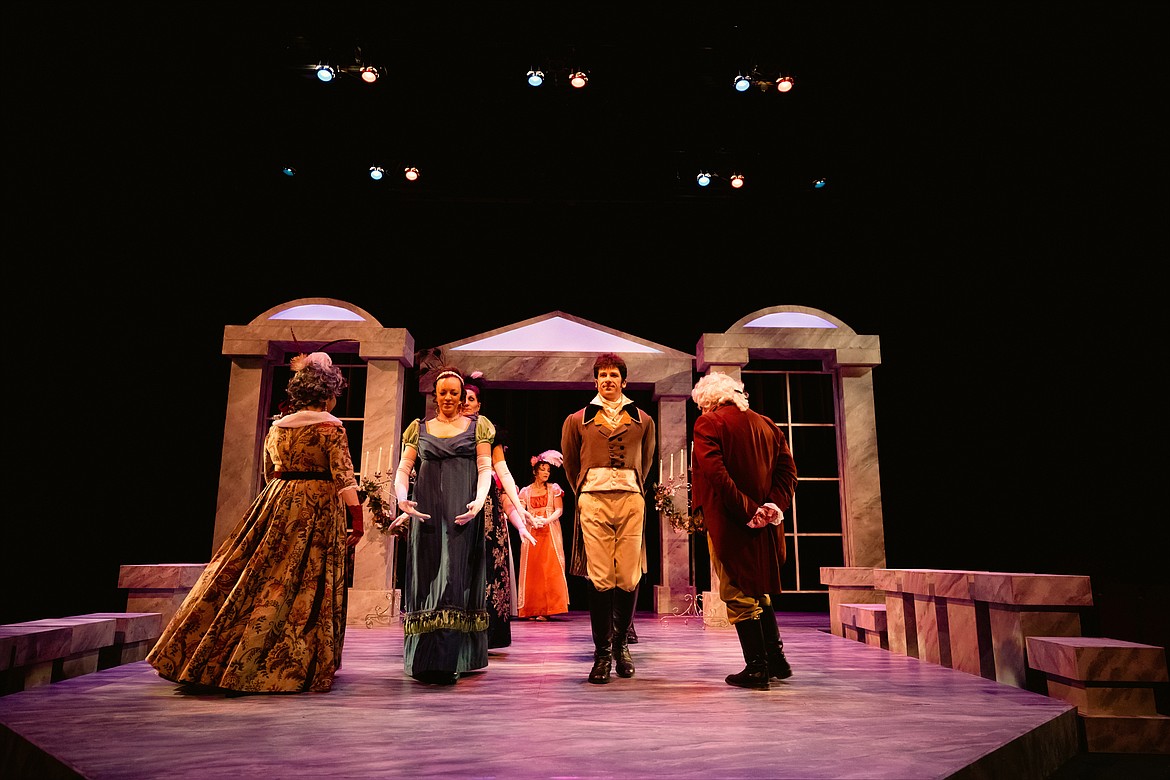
(444, 617)
(268, 613)
(543, 588)
(501, 586)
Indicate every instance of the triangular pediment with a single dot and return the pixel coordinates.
(557, 332)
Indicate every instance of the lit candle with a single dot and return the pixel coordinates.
(672, 465)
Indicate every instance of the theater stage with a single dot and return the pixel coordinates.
(850, 711)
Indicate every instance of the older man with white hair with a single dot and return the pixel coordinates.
(742, 482)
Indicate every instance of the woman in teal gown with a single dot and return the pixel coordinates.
(445, 620)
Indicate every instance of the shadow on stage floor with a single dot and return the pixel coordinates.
(849, 711)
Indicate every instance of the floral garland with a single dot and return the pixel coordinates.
(381, 508)
(679, 521)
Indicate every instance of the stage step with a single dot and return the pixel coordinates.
(866, 623)
(1112, 683)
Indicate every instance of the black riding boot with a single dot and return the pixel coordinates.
(778, 667)
(751, 641)
(623, 617)
(632, 634)
(601, 623)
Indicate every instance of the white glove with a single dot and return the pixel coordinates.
(767, 514)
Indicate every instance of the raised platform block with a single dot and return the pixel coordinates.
(1111, 682)
(848, 585)
(158, 587)
(976, 621)
(866, 623)
(1014, 606)
(134, 635)
(52, 649)
(901, 625)
(29, 652)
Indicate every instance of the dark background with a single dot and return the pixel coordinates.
(994, 212)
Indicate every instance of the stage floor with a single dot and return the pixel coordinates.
(849, 711)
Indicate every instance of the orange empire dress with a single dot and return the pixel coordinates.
(542, 587)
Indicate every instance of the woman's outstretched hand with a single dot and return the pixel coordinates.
(408, 507)
(473, 508)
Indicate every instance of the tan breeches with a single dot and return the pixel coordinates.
(740, 606)
(611, 528)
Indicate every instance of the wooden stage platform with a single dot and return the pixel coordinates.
(850, 711)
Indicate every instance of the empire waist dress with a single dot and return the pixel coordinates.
(444, 617)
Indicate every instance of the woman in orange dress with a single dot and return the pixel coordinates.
(543, 588)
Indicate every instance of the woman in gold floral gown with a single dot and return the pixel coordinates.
(268, 613)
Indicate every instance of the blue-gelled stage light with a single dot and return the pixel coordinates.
(742, 83)
(819, 184)
(703, 179)
(535, 78)
(376, 173)
(288, 170)
(326, 73)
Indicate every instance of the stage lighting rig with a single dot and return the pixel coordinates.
(745, 81)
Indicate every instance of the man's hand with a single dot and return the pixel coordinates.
(767, 514)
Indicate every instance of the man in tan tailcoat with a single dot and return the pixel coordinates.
(608, 447)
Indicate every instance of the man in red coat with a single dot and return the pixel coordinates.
(742, 482)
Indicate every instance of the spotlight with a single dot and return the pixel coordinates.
(288, 170)
(411, 174)
(736, 180)
(784, 84)
(819, 184)
(376, 173)
(703, 179)
(578, 79)
(326, 73)
(369, 74)
(535, 78)
(742, 83)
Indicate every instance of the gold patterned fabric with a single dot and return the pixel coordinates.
(268, 613)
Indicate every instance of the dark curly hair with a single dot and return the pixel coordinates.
(313, 386)
(609, 360)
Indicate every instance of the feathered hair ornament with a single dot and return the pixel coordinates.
(548, 456)
(319, 359)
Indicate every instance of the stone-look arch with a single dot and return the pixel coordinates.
(802, 333)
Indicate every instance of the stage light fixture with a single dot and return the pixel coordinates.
(742, 83)
(819, 184)
(369, 74)
(578, 79)
(785, 84)
(411, 174)
(326, 73)
(703, 179)
(535, 78)
(736, 180)
(376, 172)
